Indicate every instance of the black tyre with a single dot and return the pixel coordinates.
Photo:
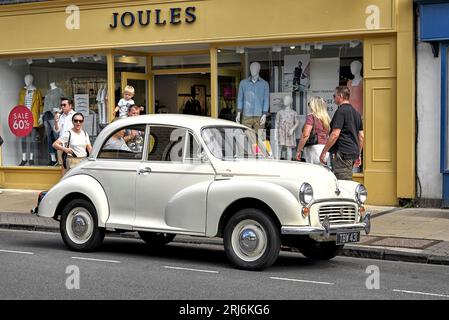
(79, 226)
(321, 250)
(251, 240)
(156, 239)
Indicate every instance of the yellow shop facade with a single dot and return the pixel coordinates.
(174, 52)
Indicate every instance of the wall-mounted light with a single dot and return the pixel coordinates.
(277, 48)
(240, 50)
(354, 43)
(318, 46)
(30, 60)
(97, 58)
(74, 59)
(51, 60)
(305, 47)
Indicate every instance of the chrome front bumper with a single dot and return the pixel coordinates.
(327, 230)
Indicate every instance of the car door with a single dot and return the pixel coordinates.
(116, 169)
(172, 183)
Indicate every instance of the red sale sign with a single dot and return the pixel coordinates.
(20, 121)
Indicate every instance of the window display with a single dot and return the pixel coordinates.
(31, 93)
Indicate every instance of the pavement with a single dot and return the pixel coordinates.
(398, 234)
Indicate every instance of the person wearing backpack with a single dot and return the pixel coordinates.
(75, 143)
(315, 132)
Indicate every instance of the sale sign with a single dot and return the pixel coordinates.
(20, 121)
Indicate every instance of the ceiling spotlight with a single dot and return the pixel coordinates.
(353, 43)
(277, 48)
(318, 46)
(305, 47)
(292, 47)
(74, 59)
(97, 58)
(240, 50)
(52, 60)
(10, 61)
(30, 60)
(219, 51)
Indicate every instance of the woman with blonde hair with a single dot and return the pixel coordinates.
(315, 131)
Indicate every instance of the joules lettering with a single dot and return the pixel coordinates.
(159, 17)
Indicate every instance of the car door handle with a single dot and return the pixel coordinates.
(144, 171)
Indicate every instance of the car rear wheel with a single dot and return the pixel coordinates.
(156, 239)
(79, 226)
(321, 250)
(251, 240)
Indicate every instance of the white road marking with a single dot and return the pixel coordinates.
(18, 252)
(299, 280)
(422, 293)
(189, 269)
(97, 260)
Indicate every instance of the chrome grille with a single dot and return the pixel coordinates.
(338, 213)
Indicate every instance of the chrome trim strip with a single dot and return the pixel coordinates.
(110, 169)
(321, 230)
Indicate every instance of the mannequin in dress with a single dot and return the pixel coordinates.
(287, 120)
(31, 98)
(52, 103)
(253, 100)
(356, 87)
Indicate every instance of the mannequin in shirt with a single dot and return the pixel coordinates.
(31, 98)
(287, 120)
(356, 87)
(251, 121)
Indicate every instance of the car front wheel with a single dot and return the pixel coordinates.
(251, 240)
(79, 226)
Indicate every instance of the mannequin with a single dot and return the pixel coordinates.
(253, 99)
(31, 98)
(287, 120)
(356, 87)
(52, 103)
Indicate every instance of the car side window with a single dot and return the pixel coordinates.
(166, 143)
(124, 144)
(193, 149)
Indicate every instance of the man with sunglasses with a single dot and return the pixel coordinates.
(345, 141)
(63, 123)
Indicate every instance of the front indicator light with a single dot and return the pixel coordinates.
(305, 212)
(362, 211)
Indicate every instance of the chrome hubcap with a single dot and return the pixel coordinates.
(79, 225)
(249, 240)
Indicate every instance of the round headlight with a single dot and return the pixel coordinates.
(305, 194)
(361, 194)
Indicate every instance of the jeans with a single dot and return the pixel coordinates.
(49, 133)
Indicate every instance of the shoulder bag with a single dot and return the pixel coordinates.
(64, 154)
(313, 137)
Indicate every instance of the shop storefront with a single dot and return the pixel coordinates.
(192, 56)
(433, 107)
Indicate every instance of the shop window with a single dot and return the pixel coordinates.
(300, 71)
(37, 85)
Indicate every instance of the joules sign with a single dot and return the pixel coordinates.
(159, 17)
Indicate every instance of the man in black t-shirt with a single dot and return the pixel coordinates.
(345, 142)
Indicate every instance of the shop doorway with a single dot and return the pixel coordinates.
(141, 83)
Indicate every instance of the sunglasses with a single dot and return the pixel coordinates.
(78, 121)
(64, 104)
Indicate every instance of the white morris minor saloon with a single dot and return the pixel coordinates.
(189, 175)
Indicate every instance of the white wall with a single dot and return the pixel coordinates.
(429, 115)
(11, 81)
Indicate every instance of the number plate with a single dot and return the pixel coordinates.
(347, 237)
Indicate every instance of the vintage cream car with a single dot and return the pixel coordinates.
(188, 175)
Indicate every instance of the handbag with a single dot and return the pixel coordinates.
(313, 137)
(1, 141)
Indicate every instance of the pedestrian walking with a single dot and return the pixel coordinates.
(345, 141)
(315, 132)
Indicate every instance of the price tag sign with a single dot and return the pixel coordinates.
(20, 121)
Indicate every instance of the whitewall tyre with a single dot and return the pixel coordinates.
(79, 226)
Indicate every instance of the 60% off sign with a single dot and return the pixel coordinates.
(21, 121)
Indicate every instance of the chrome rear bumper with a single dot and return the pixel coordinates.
(326, 229)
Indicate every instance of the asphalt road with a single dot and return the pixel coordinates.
(37, 265)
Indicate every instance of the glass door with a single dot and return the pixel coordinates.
(141, 83)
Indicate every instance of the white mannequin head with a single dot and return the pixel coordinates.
(53, 85)
(356, 67)
(288, 100)
(254, 68)
(29, 80)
